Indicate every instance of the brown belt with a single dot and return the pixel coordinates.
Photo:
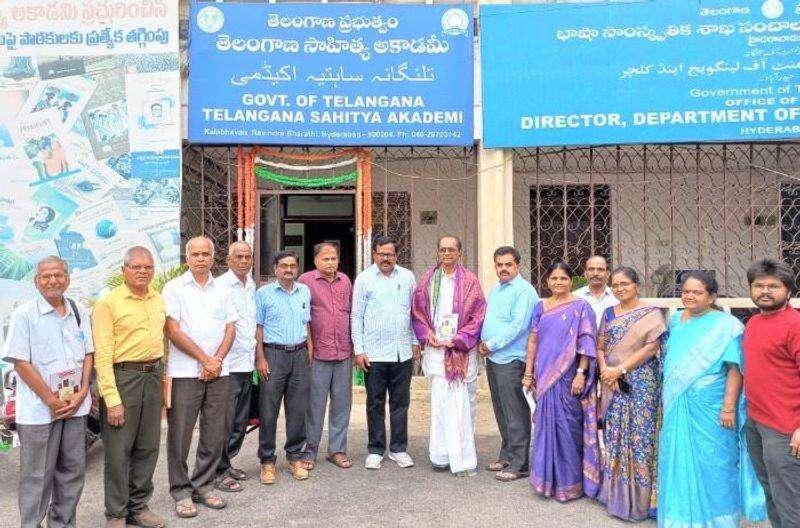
(141, 366)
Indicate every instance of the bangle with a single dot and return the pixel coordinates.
(527, 376)
(728, 411)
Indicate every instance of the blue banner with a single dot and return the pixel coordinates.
(640, 72)
(331, 74)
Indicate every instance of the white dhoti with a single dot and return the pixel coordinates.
(452, 440)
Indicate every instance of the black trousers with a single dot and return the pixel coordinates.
(287, 382)
(393, 378)
(240, 385)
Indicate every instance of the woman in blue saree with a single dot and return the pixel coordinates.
(704, 474)
(562, 370)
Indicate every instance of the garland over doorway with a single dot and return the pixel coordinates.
(354, 165)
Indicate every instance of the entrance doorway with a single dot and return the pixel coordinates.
(296, 221)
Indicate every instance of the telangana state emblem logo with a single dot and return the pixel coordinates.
(210, 19)
(772, 8)
(455, 22)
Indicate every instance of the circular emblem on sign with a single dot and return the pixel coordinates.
(455, 22)
(210, 19)
(772, 8)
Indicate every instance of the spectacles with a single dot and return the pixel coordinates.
(140, 268)
(57, 276)
(448, 250)
(621, 285)
(768, 287)
(387, 256)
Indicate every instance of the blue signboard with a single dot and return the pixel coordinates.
(331, 74)
(640, 72)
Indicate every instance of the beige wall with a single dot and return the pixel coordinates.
(445, 184)
(696, 216)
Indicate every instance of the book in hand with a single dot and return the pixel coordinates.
(446, 329)
(65, 384)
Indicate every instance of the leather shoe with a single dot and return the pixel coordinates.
(147, 519)
(115, 522)
(297, 469)
(268, 473)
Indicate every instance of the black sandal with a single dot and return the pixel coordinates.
(210, 500)
(497, 466)
(507, 476)
(228, 485)
(238, 474)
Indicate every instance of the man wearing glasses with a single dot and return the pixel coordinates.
(283, 311)
(128, 329)
(447, 314)
(383, 343)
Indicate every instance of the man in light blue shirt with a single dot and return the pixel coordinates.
(283, 311)
(503, 339)
(50, 344)
(383, 343)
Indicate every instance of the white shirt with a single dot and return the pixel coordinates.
(598, 305)
(241, 358)
(433, 357)
(52, 344)
(202, 313)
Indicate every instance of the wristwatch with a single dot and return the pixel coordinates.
(581, 370)
(622, 369)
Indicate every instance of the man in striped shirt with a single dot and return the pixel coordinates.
(383, 343)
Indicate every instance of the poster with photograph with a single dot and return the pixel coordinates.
(90, 146)
(153, 110)
(67, 95)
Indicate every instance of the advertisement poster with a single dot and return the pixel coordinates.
(331, 74)
(640, 72)
(89, 139)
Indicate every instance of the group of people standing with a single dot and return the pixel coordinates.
(643, 414)
(668, 432)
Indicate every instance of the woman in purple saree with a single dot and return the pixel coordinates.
(561, 369)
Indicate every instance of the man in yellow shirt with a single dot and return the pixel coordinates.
(128, 329)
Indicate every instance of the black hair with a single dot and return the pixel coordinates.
(280, 255)
(458, 241)
(629, 272)
(772, 268)
(605, 259)
(322, 245)
(709, 283)
(507, 250)
(555, 266)
(382, 240)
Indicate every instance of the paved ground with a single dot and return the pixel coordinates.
(355, 497)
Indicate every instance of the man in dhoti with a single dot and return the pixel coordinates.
(447, 315)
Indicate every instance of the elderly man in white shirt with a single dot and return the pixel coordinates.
(200, 328)
(50, 344)
(241, 362)
(596, 292)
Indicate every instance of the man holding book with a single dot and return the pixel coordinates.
(447, 312)
(50, 344)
